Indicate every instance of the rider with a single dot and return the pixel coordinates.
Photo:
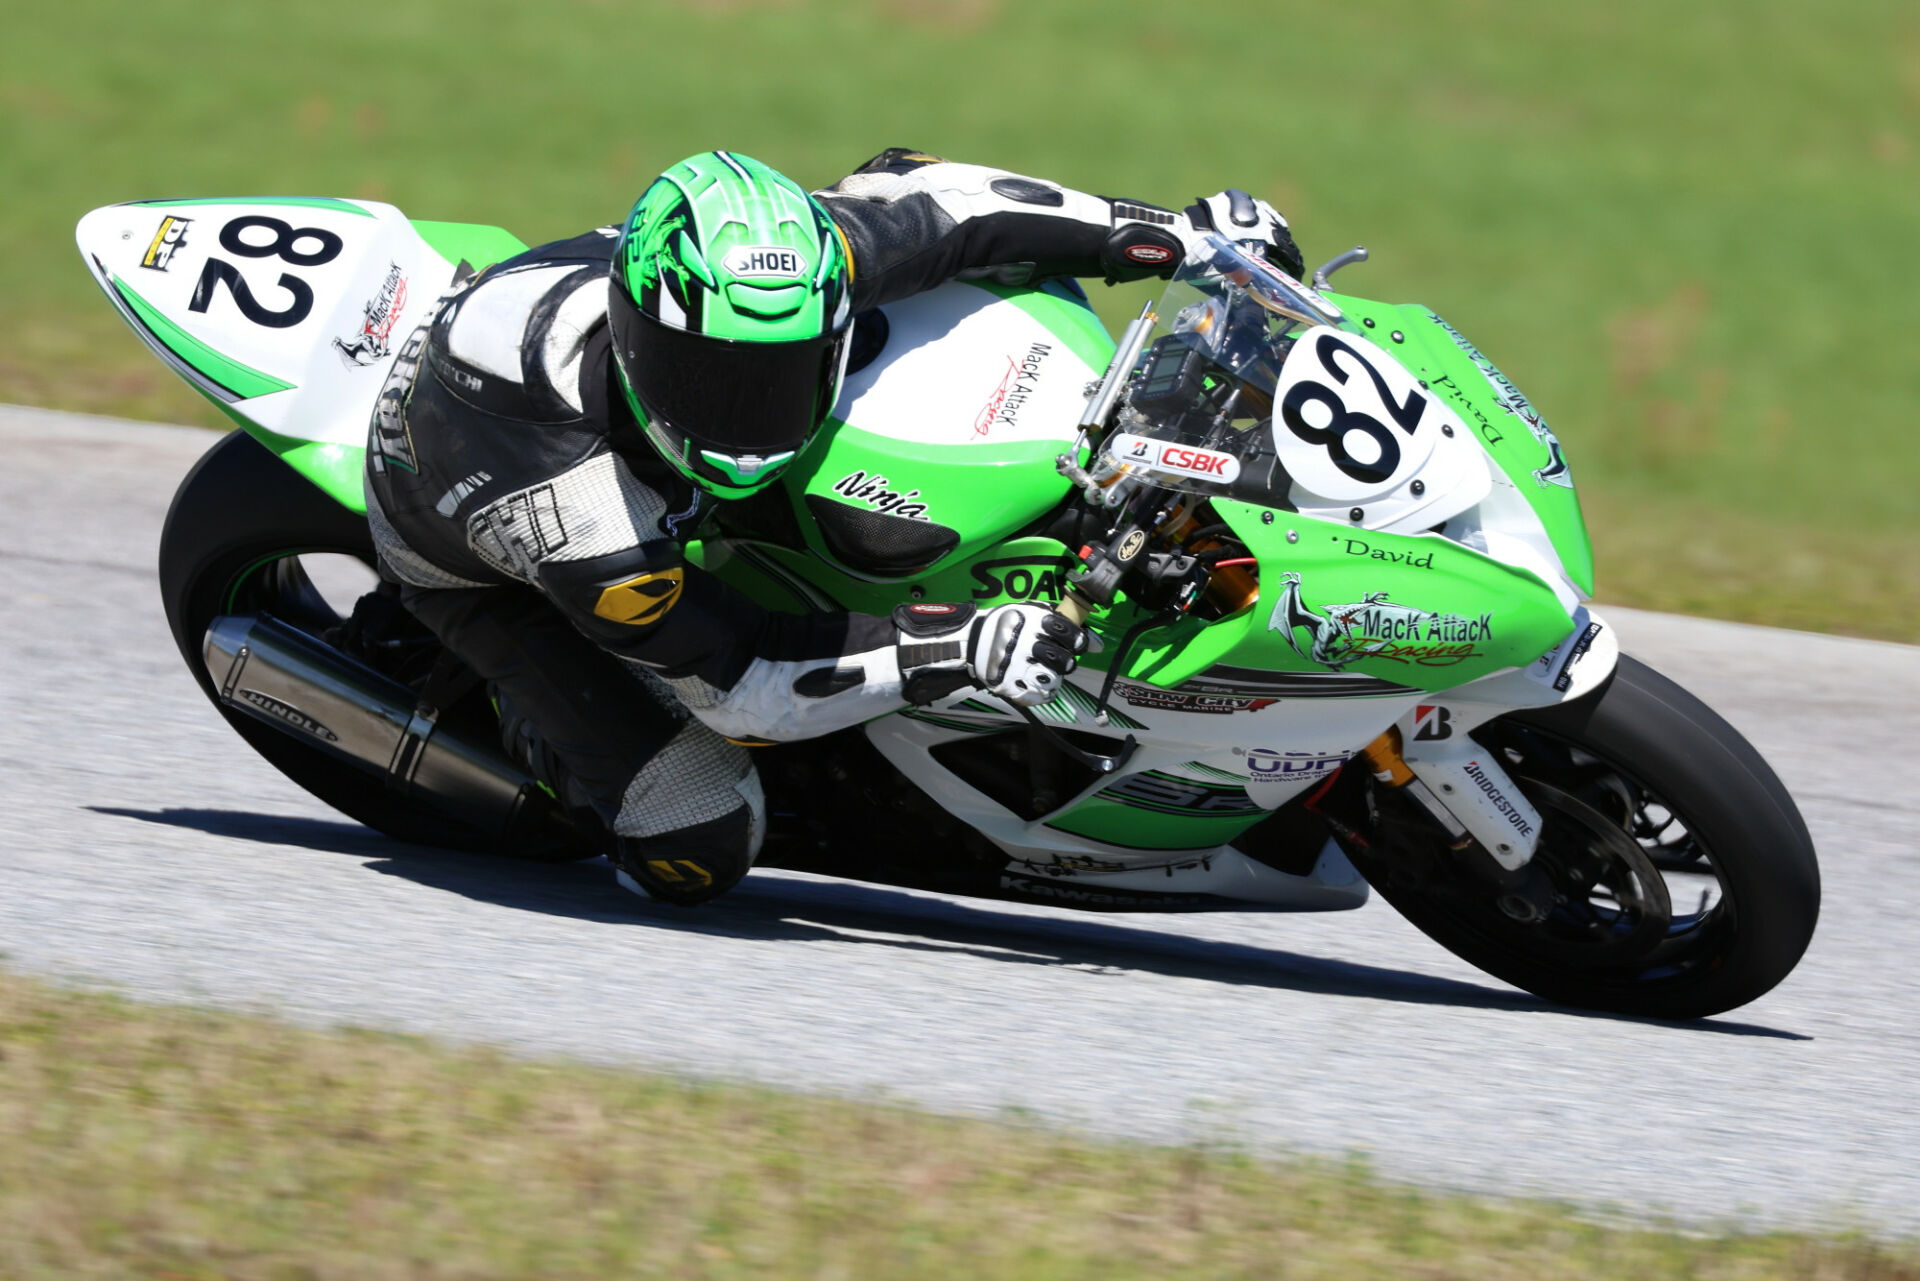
(550, 439)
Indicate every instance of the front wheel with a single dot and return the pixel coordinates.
(1678, 875)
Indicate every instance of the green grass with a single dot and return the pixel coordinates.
(1686, 230)
(171, 1143)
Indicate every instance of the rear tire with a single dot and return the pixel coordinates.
(236, 521)
(1661, 768)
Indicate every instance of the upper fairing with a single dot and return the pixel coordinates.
(1532, 511)
(957, 421)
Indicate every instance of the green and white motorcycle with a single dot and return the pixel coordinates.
(1332, 557)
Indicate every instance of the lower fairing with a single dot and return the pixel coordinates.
(1207, 813)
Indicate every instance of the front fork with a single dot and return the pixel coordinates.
(1432, 757)
(1465, 788)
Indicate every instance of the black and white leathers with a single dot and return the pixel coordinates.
(503, 456)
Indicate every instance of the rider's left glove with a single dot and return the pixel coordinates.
(1244, 218)
(1018, 653)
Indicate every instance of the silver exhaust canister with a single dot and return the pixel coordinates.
(279, 675)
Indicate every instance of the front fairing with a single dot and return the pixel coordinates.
(1531, 472)
(1379, 418)
(1404, 597)
(1366, 612)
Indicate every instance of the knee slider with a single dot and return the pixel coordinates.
(690, 865)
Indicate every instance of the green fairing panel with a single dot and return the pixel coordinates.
(1416, 610)
(981, 494)
(1114, 823)
(1516, 436)
(1157, 810)
(335, 468)
(951, 435)
(476, 244)
(781, 578)
(236, 380)
(289, 202)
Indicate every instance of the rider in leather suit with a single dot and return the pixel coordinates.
(550, 439)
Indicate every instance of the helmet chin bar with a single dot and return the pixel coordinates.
(746, 469)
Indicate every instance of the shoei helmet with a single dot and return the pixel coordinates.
(729, 310)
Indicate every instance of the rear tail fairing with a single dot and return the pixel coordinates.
(287, 313)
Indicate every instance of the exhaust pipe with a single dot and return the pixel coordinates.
(287, 679)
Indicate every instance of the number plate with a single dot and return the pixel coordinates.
(290, 309)
(1354, 428)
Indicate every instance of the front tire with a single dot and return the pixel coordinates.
(1649, 799)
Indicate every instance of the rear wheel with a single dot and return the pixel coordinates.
(1675, 877)
(247, 535)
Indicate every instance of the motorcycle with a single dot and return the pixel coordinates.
(1331, 558)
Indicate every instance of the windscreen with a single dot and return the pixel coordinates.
(1205, 386)
(1259, 387)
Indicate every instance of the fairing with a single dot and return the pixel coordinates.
(948, 436)
(1533, 494)
(284, 312)
(1448, 590)
(1462, 605)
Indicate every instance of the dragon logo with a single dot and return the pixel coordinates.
(657, 239)
(1375, 627)
(1325, 644)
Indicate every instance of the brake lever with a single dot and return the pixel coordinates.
(1092, 760)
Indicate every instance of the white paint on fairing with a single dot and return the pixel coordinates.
(332, 393)
(962, 367)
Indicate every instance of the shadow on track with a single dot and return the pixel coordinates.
(792, 908)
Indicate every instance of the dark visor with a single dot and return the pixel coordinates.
(731, 397)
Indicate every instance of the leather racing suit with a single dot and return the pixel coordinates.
(530, 525)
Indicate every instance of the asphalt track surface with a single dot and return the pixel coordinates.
(145, 849)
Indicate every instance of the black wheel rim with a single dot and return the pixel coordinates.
(1574, 786)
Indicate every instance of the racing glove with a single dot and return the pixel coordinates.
(1017, 653)
(1243, 218)
(1147, 240)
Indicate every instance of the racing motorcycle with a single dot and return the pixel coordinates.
(1332, 560)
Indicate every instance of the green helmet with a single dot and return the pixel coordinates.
(729, 315)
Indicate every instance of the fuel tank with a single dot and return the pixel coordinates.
(956, 403)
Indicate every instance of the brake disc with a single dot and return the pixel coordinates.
(1611, 904)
